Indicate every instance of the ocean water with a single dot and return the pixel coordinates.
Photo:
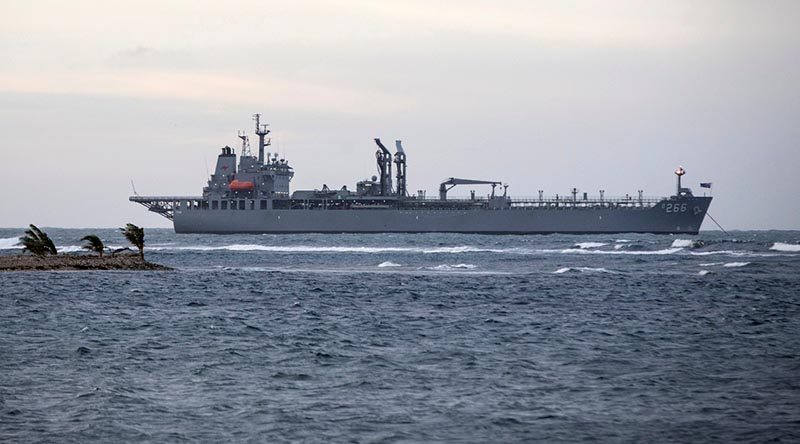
(408, 338)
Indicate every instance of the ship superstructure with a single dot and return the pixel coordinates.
(254, 197)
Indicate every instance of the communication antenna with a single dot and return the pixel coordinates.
(134, 188)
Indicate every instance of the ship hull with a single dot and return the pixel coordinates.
(683, 215)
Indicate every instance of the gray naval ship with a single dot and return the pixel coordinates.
(254, 197)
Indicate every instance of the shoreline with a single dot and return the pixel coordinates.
(68, 262)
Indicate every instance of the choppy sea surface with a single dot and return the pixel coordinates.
(408, 338)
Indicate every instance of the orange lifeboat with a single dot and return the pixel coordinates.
(237, 185)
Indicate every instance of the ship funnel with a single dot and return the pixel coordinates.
(399, 145)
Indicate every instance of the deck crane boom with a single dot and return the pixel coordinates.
(448, 184)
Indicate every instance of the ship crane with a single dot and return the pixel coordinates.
(448, 184)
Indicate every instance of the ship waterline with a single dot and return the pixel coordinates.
(254, 197)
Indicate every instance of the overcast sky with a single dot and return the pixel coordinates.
(545, 95)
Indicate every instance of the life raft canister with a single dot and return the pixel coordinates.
(237, 185)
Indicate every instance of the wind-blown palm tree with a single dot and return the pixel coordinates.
(37, 242)
(135, 236)
(93, 243)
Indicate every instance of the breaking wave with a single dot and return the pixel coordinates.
(586, 245)
(639, 252)
(582, 269)
(418, 250)
(782, 246)
(388, 264)
(9, 243)
(447, 267)
(736, 264)
(687, 243)
(69, 249)
(703, 272)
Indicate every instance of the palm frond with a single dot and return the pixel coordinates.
(37, 242)
(93, 243)
(134, 235)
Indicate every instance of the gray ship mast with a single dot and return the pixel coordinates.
(261, 132)
(245, 144)
(400, 160)
(679, 172)
(384, 158)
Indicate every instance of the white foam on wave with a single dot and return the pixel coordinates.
(703, 272)
(623, 241)
(711, 264)
(586, 245)
(69, 248)
(782, 246)
(9, 243)
(331, 249)
(417, 250)
(734, 253)
(682, 243)
(388, 264)
(736, 264)
(634, 253)
(583, 269)
(448, 267)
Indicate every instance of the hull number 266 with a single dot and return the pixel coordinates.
(675, 208)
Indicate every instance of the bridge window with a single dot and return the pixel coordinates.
(214, 204)
(233, 205)
(224, 204)
(241, 204)
(252, 205)
(188, 204)
(263, 204)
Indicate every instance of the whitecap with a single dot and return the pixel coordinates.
(623, 241)
(583, 269)
(388, 264)
(635, 253)
(682, 243)
(69, 249)
(711, 264)
(782, 246)
(423, 250)
(736, 264)
(586, 245)
(703, 272)
(323, 249)
(448, 267)
(9, 243)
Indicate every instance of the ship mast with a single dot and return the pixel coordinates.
(245, 144)
(679, 172)
(261, 131)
